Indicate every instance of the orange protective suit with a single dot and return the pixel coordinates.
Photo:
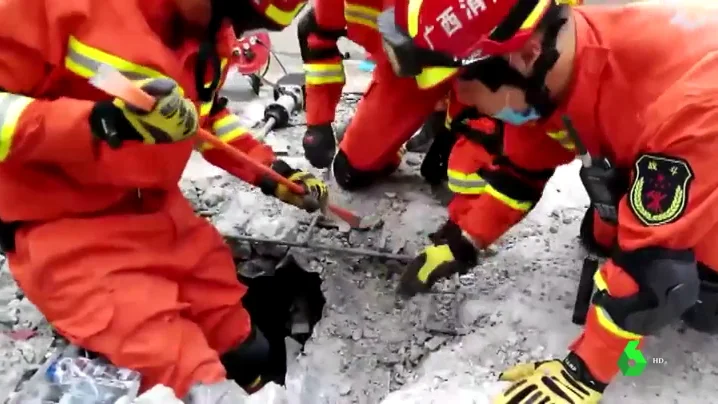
(107, 247)
(376, 133)
(649, 106)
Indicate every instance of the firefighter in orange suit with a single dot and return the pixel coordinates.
(370, 146)
(94, 226)
(643, 106)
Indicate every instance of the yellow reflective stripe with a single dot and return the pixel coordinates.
(604, 319)
(227, 129)
(521, 206)
(205, 108)
(282, 17)
(562, 137)
(324, 73)
(448, 119)
(413, 13)
(363, 15)
(467, 184)
(431, 76)
(11, 107)
(533, 18)
(473, 184)
(85, 61)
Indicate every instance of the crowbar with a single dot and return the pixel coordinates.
(312, 246)
(112, 82)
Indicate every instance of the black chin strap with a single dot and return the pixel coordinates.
(537, 94)
(208, 56)
(495, 72)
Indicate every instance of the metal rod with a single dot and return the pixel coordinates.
(266, 128)
(310, 230)
(345, 250)
(583, 153)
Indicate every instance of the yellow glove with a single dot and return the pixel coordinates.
(451, 254)
(173, 119)
(551, 382)
(316, 190)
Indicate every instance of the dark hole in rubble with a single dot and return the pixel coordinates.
(283, 299)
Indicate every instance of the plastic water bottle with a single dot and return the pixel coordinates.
(92, 381)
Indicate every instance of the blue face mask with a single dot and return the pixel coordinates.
(514, 117)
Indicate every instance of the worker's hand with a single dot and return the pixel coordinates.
(316, 190)
(320, 146)
(173, 119)
(453, 254)
(550, 382)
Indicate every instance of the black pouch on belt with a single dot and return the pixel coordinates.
(7, 235)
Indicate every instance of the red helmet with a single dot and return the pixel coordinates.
(470, 29)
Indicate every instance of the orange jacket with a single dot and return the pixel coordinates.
(48, 51)
(323, 64)
(648, 104)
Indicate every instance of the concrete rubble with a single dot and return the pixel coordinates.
(515, 306)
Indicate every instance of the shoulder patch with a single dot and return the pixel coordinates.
(659, 193)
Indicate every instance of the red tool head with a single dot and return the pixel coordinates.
(251, 52)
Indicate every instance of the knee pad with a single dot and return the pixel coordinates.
(668, 286)
(350, 178)
(703, 316)
(248, 362)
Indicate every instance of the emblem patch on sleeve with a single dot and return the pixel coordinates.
(659, 193)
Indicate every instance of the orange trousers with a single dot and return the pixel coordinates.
(149, 285)
(390, 112)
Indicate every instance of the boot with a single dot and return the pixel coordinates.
(224, 392)
(319, 145)
(421, 142)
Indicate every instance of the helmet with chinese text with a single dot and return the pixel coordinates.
(470, 29)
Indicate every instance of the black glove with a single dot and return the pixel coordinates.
(436, 162)
(319, 145)
(316, 190)
(173, 119)
(452, 253)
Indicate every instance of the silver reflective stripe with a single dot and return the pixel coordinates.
(360, 15)
(227, 128)
(94, 65)
(466, 183)
(332, 73)
(5, 100)
(11, 107)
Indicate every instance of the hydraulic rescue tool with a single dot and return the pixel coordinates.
(289, 96)
(112, 82)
